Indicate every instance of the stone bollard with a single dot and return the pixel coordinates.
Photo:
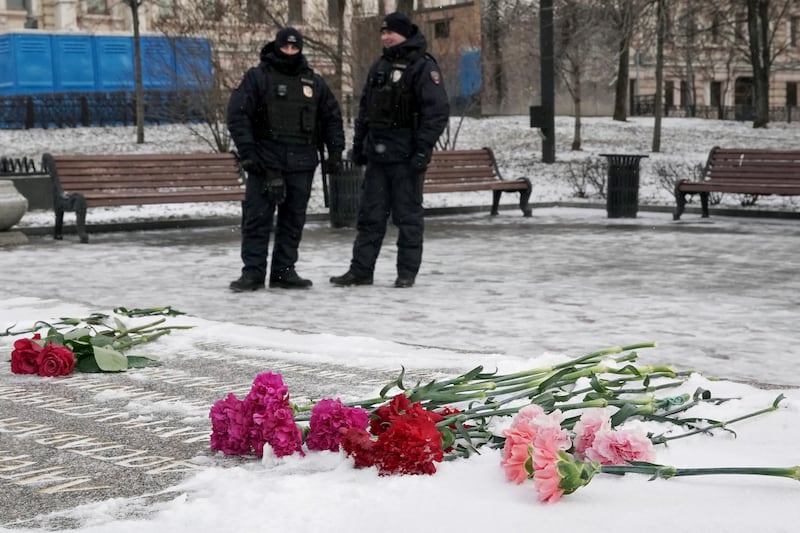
(12, 208)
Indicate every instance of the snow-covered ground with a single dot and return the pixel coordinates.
(719, 295)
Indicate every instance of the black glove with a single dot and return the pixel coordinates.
(333, 165)
(250, 161)
(357, 156)
(275, 188)
(420, 161)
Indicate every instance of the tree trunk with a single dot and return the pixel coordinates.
(658, 105)
(621, 88)
(758, 29)
(137, 65)
(576, 102)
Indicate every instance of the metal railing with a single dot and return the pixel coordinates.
(645, 105)
(116, 108)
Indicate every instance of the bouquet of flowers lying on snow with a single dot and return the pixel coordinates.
(96, 343)
(565, 430)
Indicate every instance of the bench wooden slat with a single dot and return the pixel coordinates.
(473, 170)
(743, 171)
(81, 181)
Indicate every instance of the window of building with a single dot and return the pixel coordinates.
(669, 93)
(15, 5)
(211, 9)
(166, 8)
(715, 96)
(256, 11)
(791, 94)
(441, 29)
(97, 7)
(794, 29)
(335, 12)
(685, 99)
(295, 11)
(714, 31)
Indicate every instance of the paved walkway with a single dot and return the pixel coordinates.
(719, 295)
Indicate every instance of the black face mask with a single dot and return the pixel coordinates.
(288, 63)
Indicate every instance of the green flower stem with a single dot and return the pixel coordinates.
(661, 439)
(666, 472)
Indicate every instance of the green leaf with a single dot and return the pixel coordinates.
(87, 364)
(101, 340)
(141, 361)
(77, 333)
(110, 360)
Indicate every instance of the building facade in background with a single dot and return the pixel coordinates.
(488, 50)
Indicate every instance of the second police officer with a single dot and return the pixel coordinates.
(402, 112)
(276, 116)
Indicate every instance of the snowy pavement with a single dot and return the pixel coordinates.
(718, 295)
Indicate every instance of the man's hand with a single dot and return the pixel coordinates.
(420, 161)
(357, 156)
(333, 165)
(248, 158)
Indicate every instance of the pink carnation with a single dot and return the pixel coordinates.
(547, 482)
(620, 447)
(591, 421)
(230, 431)
(532, 441)
(330, 419)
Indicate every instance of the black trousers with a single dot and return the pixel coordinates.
(395, 189)
(258, 215)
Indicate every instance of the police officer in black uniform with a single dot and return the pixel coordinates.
(402, 112)
(276, 116)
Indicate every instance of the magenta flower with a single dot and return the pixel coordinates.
(621, 447)
(330, 419)
(273, 419)
(230, 426)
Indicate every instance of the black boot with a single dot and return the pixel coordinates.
(404, 282)
(244, 284)
(288, 279)
(351, 278)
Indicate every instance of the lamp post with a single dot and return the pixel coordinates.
(548, 126)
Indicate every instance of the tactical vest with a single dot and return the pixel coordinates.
(291, 103)
(390, 99)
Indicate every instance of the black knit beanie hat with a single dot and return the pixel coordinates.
(398, 23)
(289, 36)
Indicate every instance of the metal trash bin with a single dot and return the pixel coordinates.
(622, 200)
(345, 194)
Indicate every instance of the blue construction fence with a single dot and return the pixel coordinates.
(43, 74)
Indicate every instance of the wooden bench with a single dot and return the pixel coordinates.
(82, 181)
(743, 171)
(473, 170)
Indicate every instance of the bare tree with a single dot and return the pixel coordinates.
(137, 66)
(661, 30)
(237, 31)
(582, 36)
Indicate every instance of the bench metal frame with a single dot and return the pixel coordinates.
(742, 171)
(473, 170)
(83, 181)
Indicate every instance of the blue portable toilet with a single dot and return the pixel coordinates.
(73, 63)
(158, 63)
(193, 63)
(26, 63)
(469, 73)
(114, 59)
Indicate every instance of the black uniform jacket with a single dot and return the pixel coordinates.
(247, 114)
(432, 108)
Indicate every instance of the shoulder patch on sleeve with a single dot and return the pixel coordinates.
(436, 77)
